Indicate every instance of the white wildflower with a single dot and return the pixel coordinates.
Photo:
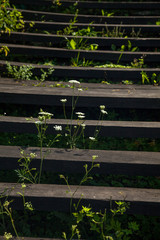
(58, 128)
(74, 82)
(33, 155)
(45, 114)
(80, 113)
(38, 122)
(104, 112)
(81, 116)
(92, 138)
(83, 125)
(80, 89)
(63, 100)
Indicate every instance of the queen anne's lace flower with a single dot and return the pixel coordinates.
(74, 82)
(58, 128)
(92, 138)
(63, 100)
(80, 113)
(104, 112)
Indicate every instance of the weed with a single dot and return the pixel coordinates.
(116, 32)
(10, 20)
(5, 50)
(22, 73)
(77, 62)
(69, 29)
(98, 225)
(155, 80)
(127, 82)
(112, 65)
(26, 173)
(138, 63)
(79, 43)
(107, 14)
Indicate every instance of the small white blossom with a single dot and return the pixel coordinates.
(80, 113)
(63, 100)
(83, 125)
(80, 89)
(92, 138)
(33, 155)
(104, 112)
(81, 116)
(58, 128)
(74, 82)
(45, 114)
(38, 122)
(102, 107)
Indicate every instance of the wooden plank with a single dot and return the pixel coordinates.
(120, 96)
(50, 197)
(10, 81)
(73, 161)
(61, 17)
(54, 26)
(107, 128)
(94, 4)
(99, 55)
(101, 41)
(31, 238)
(113, 74)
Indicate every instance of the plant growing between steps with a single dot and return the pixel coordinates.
(155, 79)
(24, 72)
(25, 173)
(10, 19)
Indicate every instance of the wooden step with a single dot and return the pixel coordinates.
(105, 74)
(61, 17)
(48, 197)
(96, 5)
(112, 96)
(73, 161)
(97, 55)
(107, 128)
(60, 40)
(56, 26)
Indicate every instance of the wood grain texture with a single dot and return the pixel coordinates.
(107, 128)
(112, 96)
(101, 41)
(98, 55)
(61, 17)
(50, 197)
(73, 161)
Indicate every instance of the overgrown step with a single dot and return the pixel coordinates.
(100, 55)
(126, 28)
(112, 96)
(48, 197)
(61, 40)
(105, 74)
(73, 161)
